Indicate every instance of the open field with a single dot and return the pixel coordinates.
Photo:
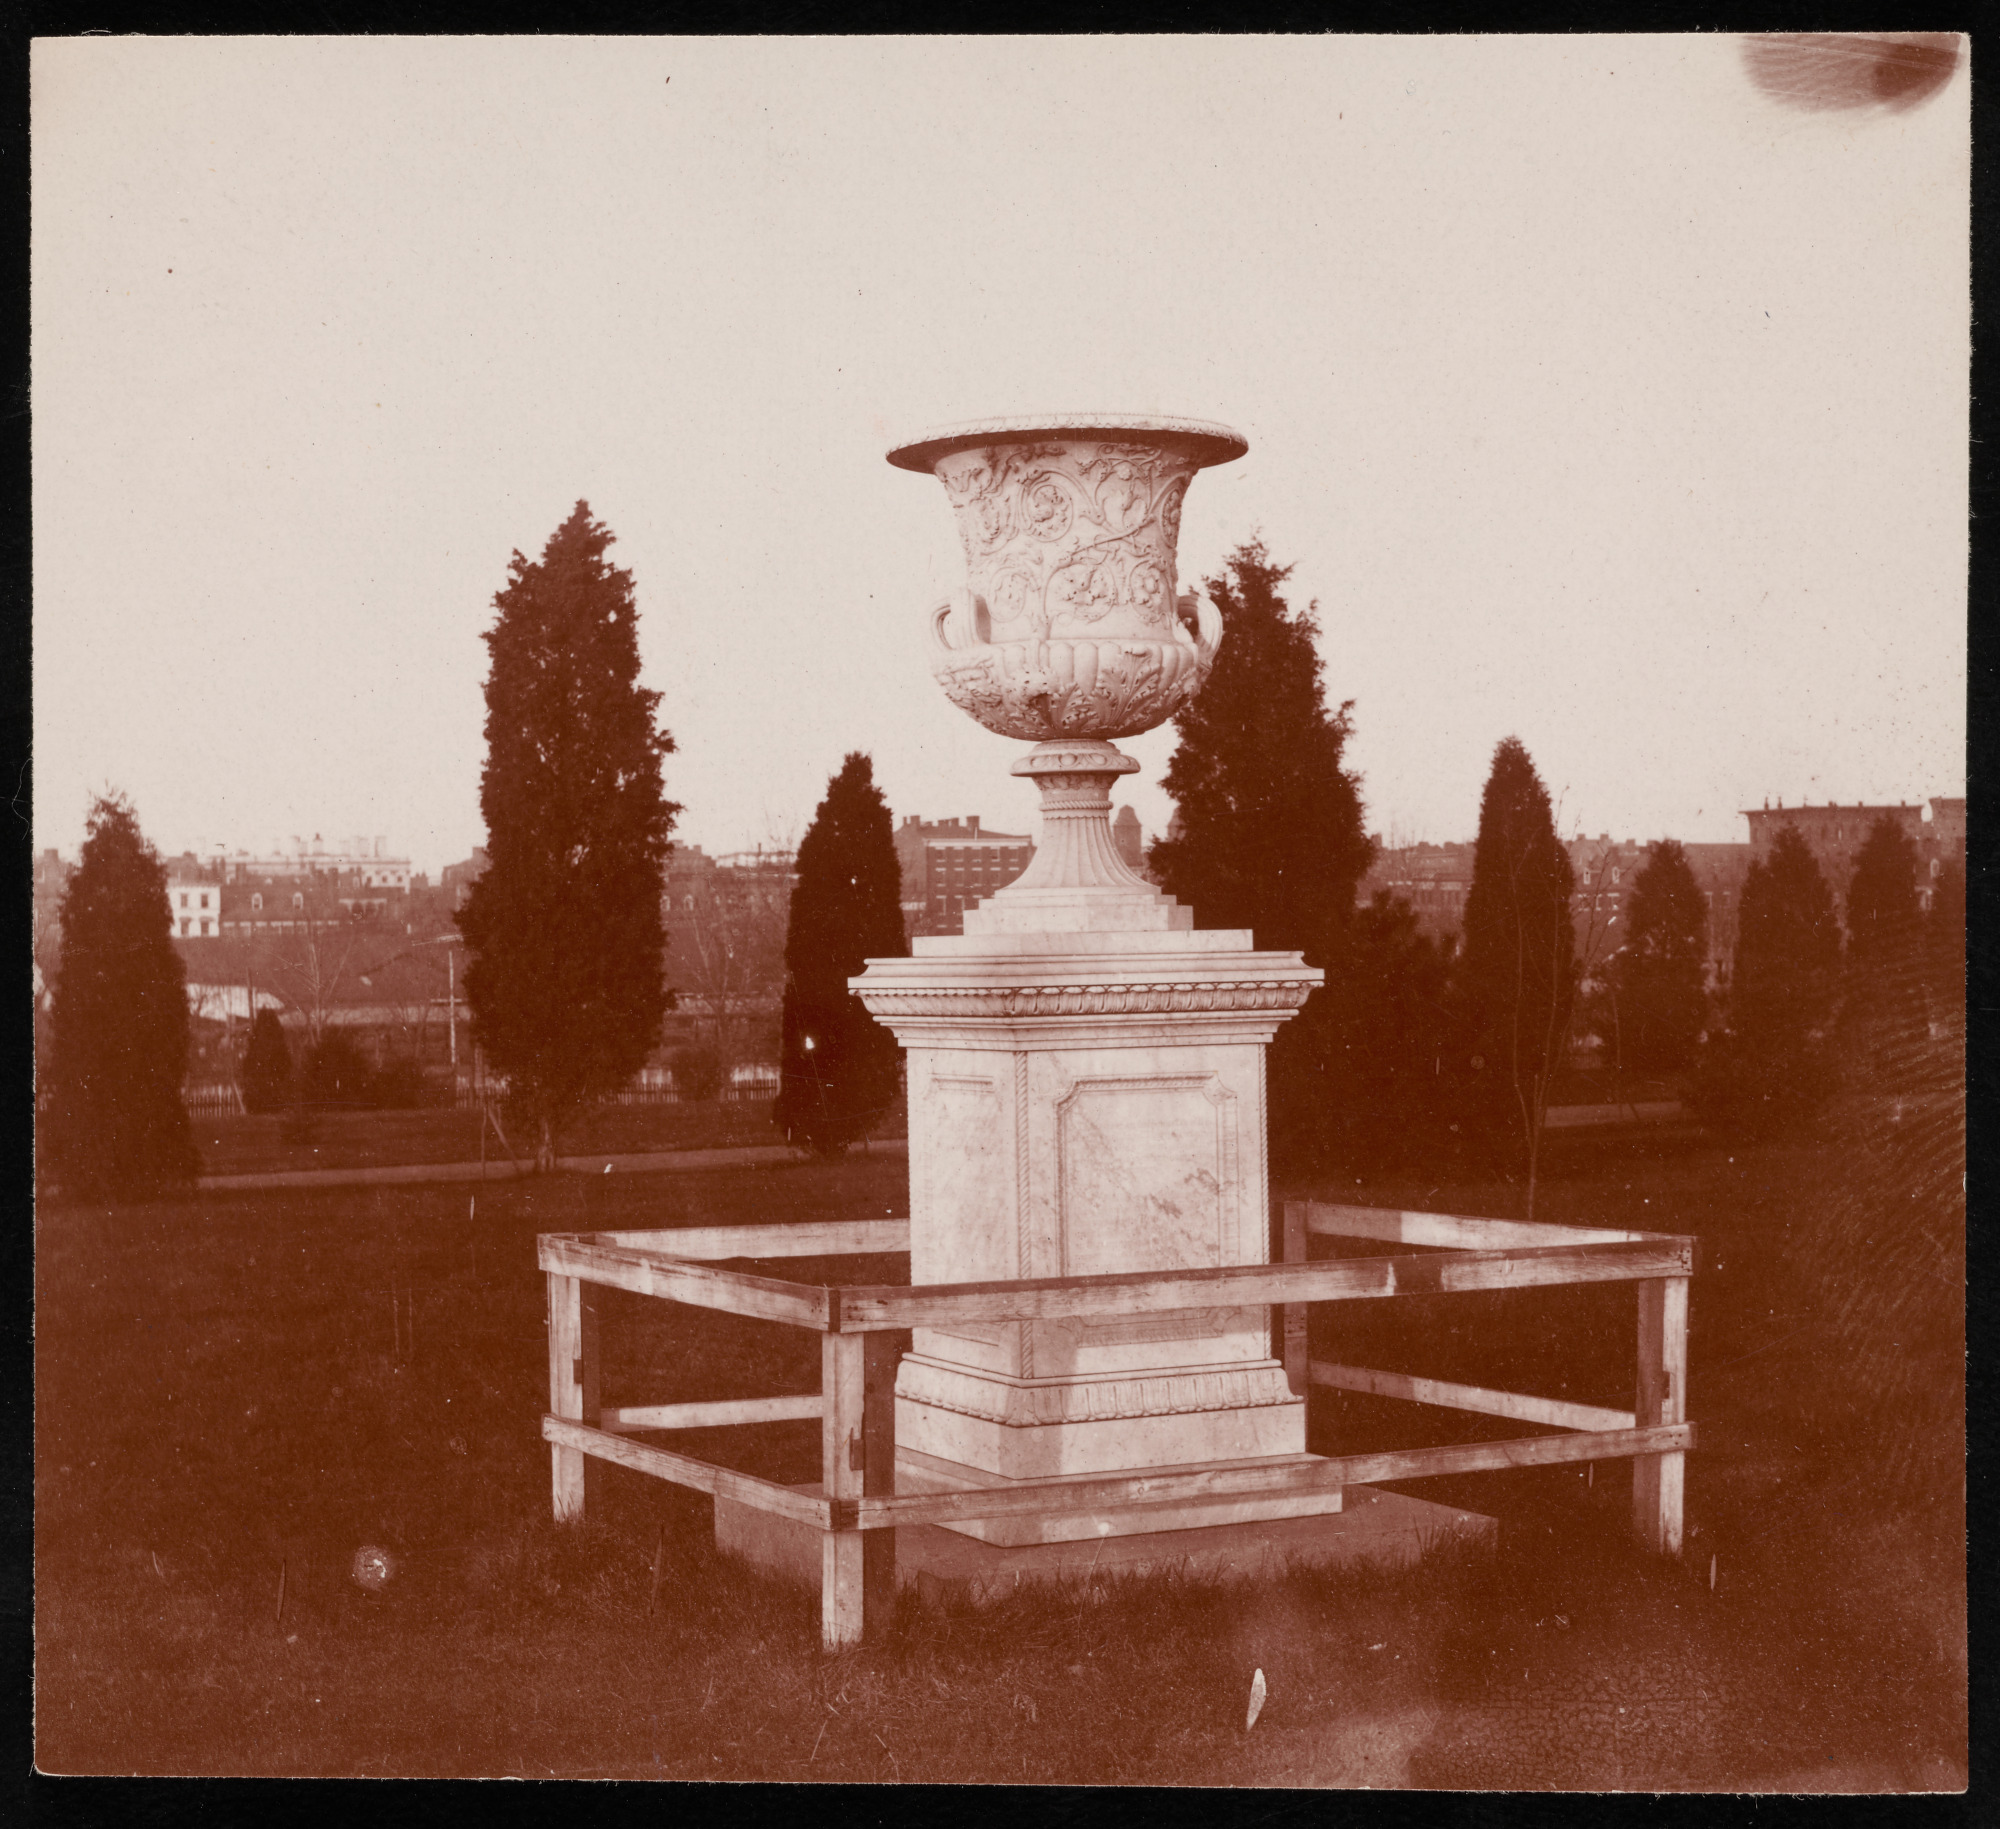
(235, 1393)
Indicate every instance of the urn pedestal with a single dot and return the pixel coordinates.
(1086, 1096)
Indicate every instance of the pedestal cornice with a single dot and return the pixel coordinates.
(1050, 999)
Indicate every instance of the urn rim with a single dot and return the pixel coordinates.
(1207, 442)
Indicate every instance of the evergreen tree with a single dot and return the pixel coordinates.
(267, 1065)
(1882, 904)
(1388, 1029)
(114, 1126)
(1784, 986)
(1944, 939)
(1659, 974)
(1886, 1019)
(1269, 836)
(1270, 828)
(565, 983)
(1516, 968)
(838, 1065)
(1786, 975)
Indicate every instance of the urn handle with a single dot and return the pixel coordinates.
(1197, 609)
(959, 622)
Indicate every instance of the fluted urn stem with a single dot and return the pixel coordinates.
(1077, 850)
(1077, 881)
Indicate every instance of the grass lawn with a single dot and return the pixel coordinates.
(227, 1409)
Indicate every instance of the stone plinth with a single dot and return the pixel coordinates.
(1086, 1096)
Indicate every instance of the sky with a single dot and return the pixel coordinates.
(1595, 395)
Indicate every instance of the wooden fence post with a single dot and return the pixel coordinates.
(878, 1473)
(843, 1424)
(1292, 1315)
(573, 1389)
(858, 1457)
(1658, 1479)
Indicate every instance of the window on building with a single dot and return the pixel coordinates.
(298, 901)
(204, 930)
(204, 898)
(185, 923)
(256, 904)
(184, 900)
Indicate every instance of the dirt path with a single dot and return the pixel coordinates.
(656, 1160)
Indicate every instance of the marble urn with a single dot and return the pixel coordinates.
(1071, 622)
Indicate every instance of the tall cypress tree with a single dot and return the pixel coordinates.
(1270, 830)
(838, 1064)
(1269, 836)
(1386, 1035)
(566, 983)
(1786, 975)
(1886, 1004)
(1659, 974)
(267, 1065)
(1882, 905)
(114, 1126)
(1944, 939)
(1784, 988)
(1516, 969)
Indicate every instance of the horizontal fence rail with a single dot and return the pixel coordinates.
(651, 1273)
(1449, 1231)
(685, 1470)
(807, 1238)
(857, 1508)
(721, 1413)
(648, 1270)
(1094, 1492)
(1555, 1412)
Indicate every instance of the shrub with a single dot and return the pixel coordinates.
(336, 1073)
(1744, 1091)
(267, 1065)
(697, 1073)
(399, 1085)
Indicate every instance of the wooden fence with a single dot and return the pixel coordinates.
(858, 1508)
(470, 1097)
(218, 1100)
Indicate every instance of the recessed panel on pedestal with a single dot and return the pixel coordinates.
(966, 1187)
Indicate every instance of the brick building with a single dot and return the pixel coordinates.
(1433, 879)
(456, 880)
(950, 865)
(1835, 834)
(725, 921)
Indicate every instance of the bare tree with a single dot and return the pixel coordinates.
(733, 949)
(311, 964)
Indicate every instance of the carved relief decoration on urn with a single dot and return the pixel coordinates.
(1071, 622)
(1070, 538)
